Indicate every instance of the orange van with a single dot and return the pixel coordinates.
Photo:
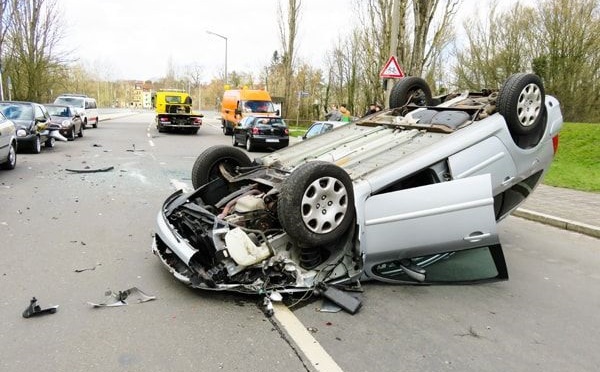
(239, 103)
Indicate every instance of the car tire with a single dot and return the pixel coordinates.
(11, 159)
(36, 145)
(316, 203)
(206, 166)
(50, 142)
(233, 141)
(84, 123)
(80, 133)
(72, 134)
(411, 89)
(249, 146)
(95, 125)
(521, 101)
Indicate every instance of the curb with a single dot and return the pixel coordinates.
(561, 223)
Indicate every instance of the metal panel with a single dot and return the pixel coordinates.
(442, 217)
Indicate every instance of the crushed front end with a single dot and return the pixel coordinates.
(226, 236)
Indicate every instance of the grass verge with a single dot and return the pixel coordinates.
(577, 162)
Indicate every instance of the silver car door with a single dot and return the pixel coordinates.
(428, 220)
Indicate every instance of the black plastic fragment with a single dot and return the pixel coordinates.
(343, 299)
(34, 310)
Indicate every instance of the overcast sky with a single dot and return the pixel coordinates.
(134, 39)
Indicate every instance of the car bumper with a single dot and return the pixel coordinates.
(274, 142)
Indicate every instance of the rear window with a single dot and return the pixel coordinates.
(275, 122)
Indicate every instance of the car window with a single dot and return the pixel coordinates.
(17, 111)
(70, 101)
(465, 266)
(327, 127)
(314, 130)
(62, 111)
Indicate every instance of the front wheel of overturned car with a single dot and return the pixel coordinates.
(411, 89)
(521, 101)
(207, 165)
(316, 203)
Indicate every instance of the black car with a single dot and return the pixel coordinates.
(68, 119)
(261, 131)
(29, 118)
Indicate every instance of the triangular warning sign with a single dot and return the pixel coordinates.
(391, 69)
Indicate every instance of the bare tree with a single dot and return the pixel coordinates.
(33, 61)
(288, 30)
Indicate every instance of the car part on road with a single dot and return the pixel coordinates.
(89, 170)
(34, 310)
(122, 297)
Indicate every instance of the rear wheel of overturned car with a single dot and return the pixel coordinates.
(316, 203)
(411, 89)
(207, 165)
(521, 101)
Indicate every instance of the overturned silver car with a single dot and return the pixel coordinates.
(407, 195)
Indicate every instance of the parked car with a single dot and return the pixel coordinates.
(261, 132)
(29, 118)
(8, 143)
(69, 120)
(320, 127)
(85, 106)
(407, 195)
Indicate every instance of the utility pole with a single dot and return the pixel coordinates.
(393, 45)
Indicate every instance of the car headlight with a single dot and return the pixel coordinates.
(21, 132)
(66, 123)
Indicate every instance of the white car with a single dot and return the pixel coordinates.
(85, 107)
(407, 195)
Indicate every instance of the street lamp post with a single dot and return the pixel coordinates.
(224, 38)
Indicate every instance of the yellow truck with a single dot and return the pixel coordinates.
(239, 103)
(174, 111)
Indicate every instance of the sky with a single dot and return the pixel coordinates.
(136, 39)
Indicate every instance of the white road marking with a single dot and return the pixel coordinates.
(315, 353)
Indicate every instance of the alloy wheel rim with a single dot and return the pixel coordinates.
(324, 205)
(529, 105)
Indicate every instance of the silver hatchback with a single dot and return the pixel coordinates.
(407, 195)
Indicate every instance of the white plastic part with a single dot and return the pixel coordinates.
(243, 250)
(249, 203)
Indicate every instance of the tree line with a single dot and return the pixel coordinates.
(556, 39)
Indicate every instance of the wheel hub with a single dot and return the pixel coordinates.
(529, 105)
(324, 205)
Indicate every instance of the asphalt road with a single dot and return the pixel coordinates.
(66, 238)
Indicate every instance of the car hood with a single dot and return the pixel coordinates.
(24, 124)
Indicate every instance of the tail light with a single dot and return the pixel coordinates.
(286, 132)
(197, 120)
(164, 119)
(555, 143)
(255, 130)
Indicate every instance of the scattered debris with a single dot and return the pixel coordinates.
(343, 299)
(87, 268)
(119, 299)
(96, 145)
(89, 170)
(35, 310)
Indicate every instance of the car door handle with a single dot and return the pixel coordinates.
(507, 180)
(476, 236)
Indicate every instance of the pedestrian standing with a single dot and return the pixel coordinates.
(346, 115)
(334, 114)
